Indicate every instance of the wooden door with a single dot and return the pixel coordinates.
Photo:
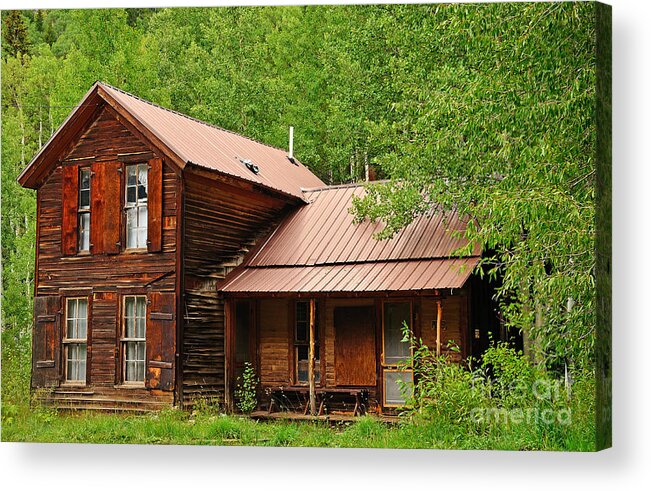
(355, 358)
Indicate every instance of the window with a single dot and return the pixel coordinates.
(398, 379)
(83, 210)
(302, 343)
(133, 338)
(136, 206)
(74, 341)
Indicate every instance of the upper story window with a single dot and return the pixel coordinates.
(83, 210)
(136, 206)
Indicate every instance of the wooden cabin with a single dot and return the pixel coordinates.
(171, 252)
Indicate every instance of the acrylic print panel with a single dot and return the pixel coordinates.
(449, 171)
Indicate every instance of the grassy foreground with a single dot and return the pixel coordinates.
(175, 427)
(444, 425)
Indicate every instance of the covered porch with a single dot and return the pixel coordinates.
(326, 355)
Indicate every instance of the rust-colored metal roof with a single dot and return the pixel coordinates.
(319, 248)
(323, 232)
(381, 276)
(189, 141)
(215, 148)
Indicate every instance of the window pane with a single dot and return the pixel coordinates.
(141, 351)
(131, 194)
(84, 198)
(82, 308)
(76, 362)
(135, 361)
(72, 308)
(84, 183)
(142, 177)
(130, 371)
(140, 328)
(393, 394)
(395, 314)
(84, 231)
(130, 306)
(131, 175)
(142, 226)
(81, 372)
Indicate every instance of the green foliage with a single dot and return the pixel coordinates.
(246, 390)
(492, 114)
(505, 398)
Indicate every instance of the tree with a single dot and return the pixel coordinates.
(14, 33)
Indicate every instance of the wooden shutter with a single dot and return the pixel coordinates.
(46, 341)
(155, 205)
(106, 207)
(69, 203)
(161, 340)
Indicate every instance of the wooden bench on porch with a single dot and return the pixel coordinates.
(360, 395)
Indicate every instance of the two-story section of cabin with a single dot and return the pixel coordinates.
(171, 253)
(140, 210)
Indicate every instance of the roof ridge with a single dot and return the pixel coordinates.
(192, 118)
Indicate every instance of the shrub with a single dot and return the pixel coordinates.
(245, 391)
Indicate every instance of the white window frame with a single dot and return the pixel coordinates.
(138, 205)
(125, 341)
(69, 342)
(394, 367)
(83, 212)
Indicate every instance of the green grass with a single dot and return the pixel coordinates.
(173, 427)
(205, 426)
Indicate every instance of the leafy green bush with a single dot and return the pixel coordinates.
(245, 392)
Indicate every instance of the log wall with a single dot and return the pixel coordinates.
(454, 324)
(221, 224)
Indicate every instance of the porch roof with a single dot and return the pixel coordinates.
(319, 248)
(379, 276)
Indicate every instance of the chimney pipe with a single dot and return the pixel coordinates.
(291, 143)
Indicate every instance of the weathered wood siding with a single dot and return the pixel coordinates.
(221, 224)
(274, 340)
(124, 269)
(104, 278)
(454, 324)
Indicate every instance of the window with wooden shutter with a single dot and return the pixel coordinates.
(83, 210)
(106, 207)
(69, 205)
(155, 206)
(75, 337)
(161, 340)
(46, 341)
(136, 206)
(134, 336)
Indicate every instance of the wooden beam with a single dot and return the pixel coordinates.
(310, 369)
(229, 341)
(439, 315)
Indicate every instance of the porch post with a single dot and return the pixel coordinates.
(310, 366)
(439, 314)
(229, 338)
